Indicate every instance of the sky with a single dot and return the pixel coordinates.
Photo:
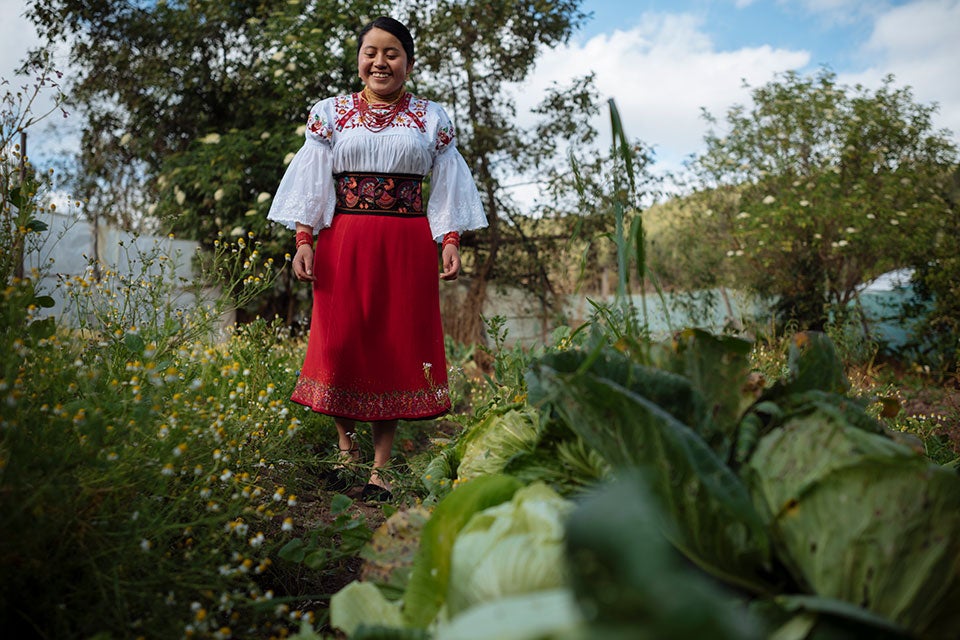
(663, 61)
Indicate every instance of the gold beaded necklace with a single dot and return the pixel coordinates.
(378, 119)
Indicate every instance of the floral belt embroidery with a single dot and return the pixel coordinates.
(379, 194)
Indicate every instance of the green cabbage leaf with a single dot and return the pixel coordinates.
(513, 548)
(529, 616)
(488, 446)
(859, 517)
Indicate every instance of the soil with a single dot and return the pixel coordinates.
(313, 512)
(935, 401)
(943, 403)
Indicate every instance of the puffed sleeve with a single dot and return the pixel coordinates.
(307, 193)
(454, 203)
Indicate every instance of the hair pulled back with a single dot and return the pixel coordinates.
(395, 28)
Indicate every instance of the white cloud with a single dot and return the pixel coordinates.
(17, 35)
(660, 74)
(917, 43)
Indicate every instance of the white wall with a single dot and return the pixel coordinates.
(69, 248)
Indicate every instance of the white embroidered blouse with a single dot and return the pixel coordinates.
(420, 141)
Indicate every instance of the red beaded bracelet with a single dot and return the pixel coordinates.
(451, 238)
(304, 238)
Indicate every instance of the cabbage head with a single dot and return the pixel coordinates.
(516, 547)
(861, 518)
(489, 445)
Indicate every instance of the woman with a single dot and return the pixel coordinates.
(376, 351)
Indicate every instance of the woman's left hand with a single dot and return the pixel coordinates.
(451, 262)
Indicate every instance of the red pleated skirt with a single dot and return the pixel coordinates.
(375, 349)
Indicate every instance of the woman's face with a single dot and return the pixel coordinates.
(382, 62)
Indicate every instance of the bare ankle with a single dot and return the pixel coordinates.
(379, 480)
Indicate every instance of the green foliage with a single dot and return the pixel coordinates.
(626, 575)
(937, 276)
(139, 493)
(537, 615)
(512, 548)
(630, 182)
(818, 187)
(139, 476)
(486, 546)
(359, 609)
(630, 416)
(316, 552)
(683, 258)
(508, 364)
(487, 446)
(20, 183)
(515, 440)
(892, 543)
(756, 508)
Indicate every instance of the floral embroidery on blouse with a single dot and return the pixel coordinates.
(348, 116)
(319, 127)
(445, 135)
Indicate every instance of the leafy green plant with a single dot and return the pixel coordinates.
(629, 237)
(816, 187)
(509, 364)
(319, 551)
(756, 507)
(150, 499)
(637, 416)
(22, 206)
(626, 575)
(150, 302)
(893, 514)
(427, 589)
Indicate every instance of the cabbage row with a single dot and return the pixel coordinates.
(674, 498)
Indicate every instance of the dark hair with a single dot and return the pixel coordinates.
(394, 27)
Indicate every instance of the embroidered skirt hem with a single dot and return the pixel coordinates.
(365, 407)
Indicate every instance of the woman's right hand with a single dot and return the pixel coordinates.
(303, 263)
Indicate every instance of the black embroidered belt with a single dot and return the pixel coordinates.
(379, 194)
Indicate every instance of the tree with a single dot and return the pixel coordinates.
(818, 187)
(937, 277)
(191, 105)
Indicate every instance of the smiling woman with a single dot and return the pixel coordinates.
(376, 348)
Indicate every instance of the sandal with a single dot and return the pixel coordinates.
(375, 493)
(337, 479)
(340, 477)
